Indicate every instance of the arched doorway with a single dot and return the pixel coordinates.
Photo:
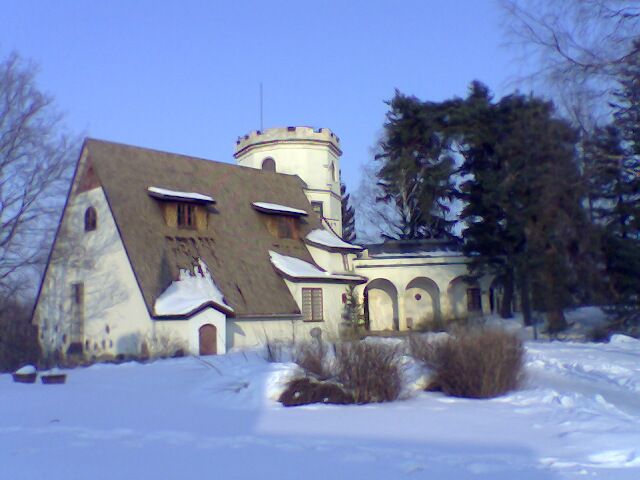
(208, 336)
(382, 305)
(422, 302)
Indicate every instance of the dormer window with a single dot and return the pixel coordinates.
(183, 209)
(90, 219)
(186, 215)
(281, 220)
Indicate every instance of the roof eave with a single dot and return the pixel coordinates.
(333, 248)
(183, 316)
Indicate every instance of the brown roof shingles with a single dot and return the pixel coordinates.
(236, 243)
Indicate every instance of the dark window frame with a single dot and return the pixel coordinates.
(318, 207)
(474, 300)
(90, 219)
(286, 227)
(186, 215)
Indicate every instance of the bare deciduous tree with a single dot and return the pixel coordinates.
(577, 47)
(35, 165)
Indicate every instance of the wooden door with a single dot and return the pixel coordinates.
(208, 339)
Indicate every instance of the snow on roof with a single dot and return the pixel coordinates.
(172, 194)
(296, 268)
(430, 253)
(191, 291)
(274, 207)
(329, 239)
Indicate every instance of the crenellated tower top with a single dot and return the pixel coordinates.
(311, 153)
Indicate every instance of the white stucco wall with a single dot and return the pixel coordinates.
(310, 154)
(256, 331)
(186, 331)
(394, 283)
(331, 261)
(116, 320)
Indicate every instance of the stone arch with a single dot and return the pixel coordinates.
(208, 339)
(382, 305)
(463, 297)
(421, 302)
(269, 164)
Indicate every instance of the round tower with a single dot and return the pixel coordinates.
(311, 153)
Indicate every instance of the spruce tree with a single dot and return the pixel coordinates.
(348, 216)
(523, 199)
(621, 213)
(415, 169)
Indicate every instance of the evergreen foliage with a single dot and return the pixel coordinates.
(348, 216)
(617, 190)
(353, 311)
(415, 169)
(523, 198)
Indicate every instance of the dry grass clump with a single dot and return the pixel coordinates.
(370, 371)
(345, 372)
(312, 358)
(475, 363)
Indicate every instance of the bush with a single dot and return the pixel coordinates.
(476, 363)
(370, 371)
(312, 358)
(276, 351)
(162, 345)
(303, 391)
(18, 338)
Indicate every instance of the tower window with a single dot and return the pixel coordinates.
(318, 208)
(90, 219)
(77, 293)
(186, 215)
(269, 164)
(332, 172)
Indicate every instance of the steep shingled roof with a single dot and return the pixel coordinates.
(235, 245)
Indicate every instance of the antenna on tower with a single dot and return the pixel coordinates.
(261, 106)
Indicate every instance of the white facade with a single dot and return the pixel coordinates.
(107, 315)
(406, 291)
(111, 318)
(312, 154)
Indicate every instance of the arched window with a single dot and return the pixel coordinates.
(332, 172)
(90, 219)
(269, 164)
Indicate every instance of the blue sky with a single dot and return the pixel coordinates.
(184, 76)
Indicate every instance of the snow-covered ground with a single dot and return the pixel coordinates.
(577, 417)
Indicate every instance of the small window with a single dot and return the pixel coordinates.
(345, 261)
(286, 226)
(318, 208)
(77, 293)
(312, 304)
(269, 164)
(332, 172)
(474, 300)
(186, 215)
(90, 219)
